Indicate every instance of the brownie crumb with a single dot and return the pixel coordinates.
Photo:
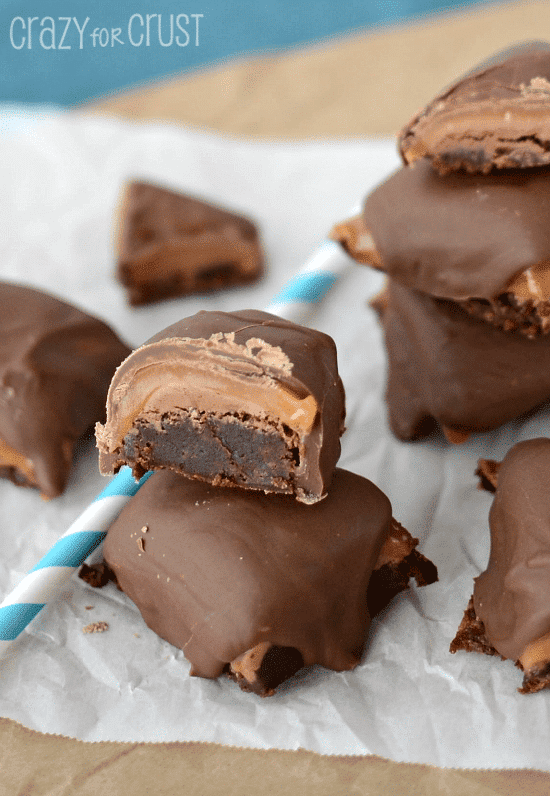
(536, 679)
(471, 636)
(141, 544)
(97, 575)
(95, 627)
(487, 472)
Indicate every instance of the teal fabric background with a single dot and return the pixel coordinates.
(69, 51)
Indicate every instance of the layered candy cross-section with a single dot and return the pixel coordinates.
(235, 399)
(172, 244)
(495, 116)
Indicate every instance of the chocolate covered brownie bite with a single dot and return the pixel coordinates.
(56, 363)
(241, 399)
(258, 586)
(509, 612)
(479, 240)
(450, 369)
(495, 116)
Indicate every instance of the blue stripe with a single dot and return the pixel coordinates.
(15, 618)
(308, 288)
(123, 484)
(72, 550)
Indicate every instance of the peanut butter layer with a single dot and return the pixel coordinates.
(243, 399)
(256, 585)
(170, 244)
(56, 363)
(496, 116)
(509, 613)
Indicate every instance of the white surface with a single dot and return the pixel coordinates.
(410, 700)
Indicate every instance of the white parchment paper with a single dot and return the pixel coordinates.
(410, 700)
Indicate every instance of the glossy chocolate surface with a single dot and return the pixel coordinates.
(498, 115)
(56, 363)
(512, 596)
(244, 398)
(459, 371)
(171, 244)
(461, 236)
(217, 571)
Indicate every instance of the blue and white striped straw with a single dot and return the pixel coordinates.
(45, 581)
(301, 294)
(47, 578)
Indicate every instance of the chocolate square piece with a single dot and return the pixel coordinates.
(258, 586)
(235, 399)
(56, 363)
(496, 116)
(509, 613)
(171, 244)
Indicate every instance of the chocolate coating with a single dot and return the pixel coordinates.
(496, 116)
(447, 366)
(236, 399)
(56, 363)
(462, 236)
(171, 244)
(509, 612)
(240, 580)
(512, 596)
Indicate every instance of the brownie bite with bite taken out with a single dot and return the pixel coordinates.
(241, 399)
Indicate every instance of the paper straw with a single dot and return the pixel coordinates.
(47, 578)
(301, 294)
(298, 298)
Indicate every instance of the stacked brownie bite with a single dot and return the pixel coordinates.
(249, 549)
(462, 232)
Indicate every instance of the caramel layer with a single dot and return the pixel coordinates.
(536, 653)
(11, 458)
(357, 240)
(532, 284)
(188, 382)
(510, 122)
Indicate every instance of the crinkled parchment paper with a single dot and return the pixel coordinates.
(410, 700)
